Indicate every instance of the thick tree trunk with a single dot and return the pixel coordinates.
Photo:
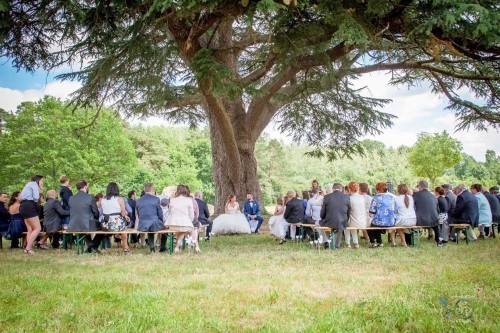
(248, 181)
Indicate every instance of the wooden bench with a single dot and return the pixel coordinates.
(415, 230)
(80, 236)
(461, 226)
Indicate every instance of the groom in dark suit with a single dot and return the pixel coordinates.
(251, 209)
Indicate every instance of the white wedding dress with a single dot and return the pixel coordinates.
(275, 222)
(233, 222)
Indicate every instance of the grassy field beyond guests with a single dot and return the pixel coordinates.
(250, 283)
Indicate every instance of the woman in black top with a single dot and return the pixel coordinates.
(443, 207)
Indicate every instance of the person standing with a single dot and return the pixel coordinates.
(65, 193)
(426, 209)
(204, 217)
(84, 215)
(150, 216)
(466, 210)
(29, 211)
(294, 213)
(251, 209)
(335, 212)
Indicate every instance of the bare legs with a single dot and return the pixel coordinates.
(34, 228)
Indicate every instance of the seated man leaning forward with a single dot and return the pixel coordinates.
(251, 209)
(84, 215)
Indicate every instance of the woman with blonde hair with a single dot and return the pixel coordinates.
(357, 215)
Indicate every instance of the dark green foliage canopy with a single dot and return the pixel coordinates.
(292, 61)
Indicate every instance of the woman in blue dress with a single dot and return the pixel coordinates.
(382, 209)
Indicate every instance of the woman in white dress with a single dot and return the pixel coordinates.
(181, 215)
(233, 221)
(404, 214)
(277, 218)
(357, 215)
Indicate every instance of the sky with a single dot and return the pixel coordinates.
(417, 109)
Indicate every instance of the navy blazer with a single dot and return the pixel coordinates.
(251, 209)
(4, 218)
(203, 210)
(149, 213)
(467, 209)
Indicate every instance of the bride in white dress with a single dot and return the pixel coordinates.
(233, 221)
(277, 218)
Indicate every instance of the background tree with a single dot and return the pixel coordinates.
(50, 139)
(433, 154)
(239, 64)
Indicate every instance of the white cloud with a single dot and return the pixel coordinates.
(11, 98)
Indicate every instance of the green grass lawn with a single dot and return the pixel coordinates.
(250, 283)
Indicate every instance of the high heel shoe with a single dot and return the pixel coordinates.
(29, 251)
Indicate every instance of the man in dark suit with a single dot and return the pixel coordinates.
(4, 214)
(53, 214)
(494, 207)
(204, 217)
(426, 209)
(131, 201)
(251, 209)
(494, 193)
(335, 212)
(84, 215)
(294, 213)
(466, 209)
(150, 217)
(452, 201)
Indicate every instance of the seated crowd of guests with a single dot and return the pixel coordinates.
(27, 213)
(346, 210)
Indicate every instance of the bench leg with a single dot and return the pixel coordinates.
(467, 235)
(171, 243)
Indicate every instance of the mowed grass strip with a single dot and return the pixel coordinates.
(250, 283)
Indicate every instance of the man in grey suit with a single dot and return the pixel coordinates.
(84, 215)
(335, 212)
(150, 217)
(426, 208)
(452, 201)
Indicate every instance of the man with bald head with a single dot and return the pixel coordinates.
(53, 214)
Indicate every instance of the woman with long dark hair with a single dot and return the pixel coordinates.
(16, 221)
(29, 211)
(113, 210)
